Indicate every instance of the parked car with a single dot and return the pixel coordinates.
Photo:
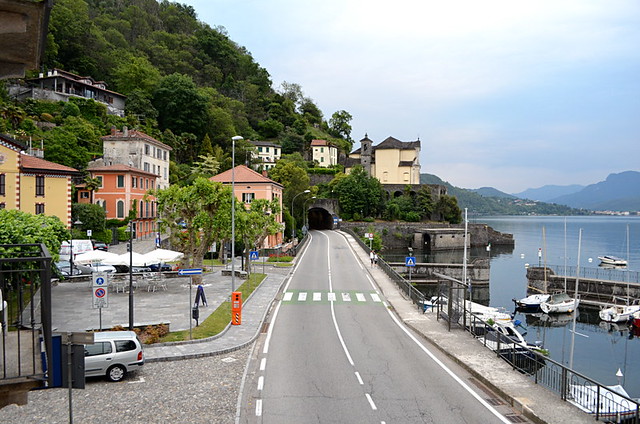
(100, 245)
(113, 354)
(78, 269)
(161, 267)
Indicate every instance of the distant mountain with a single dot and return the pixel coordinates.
(492, 192)
(548, 192)
(619, 192)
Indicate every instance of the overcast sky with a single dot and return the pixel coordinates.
(507, 94)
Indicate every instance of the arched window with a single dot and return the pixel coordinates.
(120, 209)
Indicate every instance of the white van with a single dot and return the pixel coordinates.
(79, 246)
(113, 354)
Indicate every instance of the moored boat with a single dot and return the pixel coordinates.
(559, 303)
(608, 402)
(612, 260)
(531, 303)
(619, 313)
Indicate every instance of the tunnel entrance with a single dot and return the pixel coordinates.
(320, 219)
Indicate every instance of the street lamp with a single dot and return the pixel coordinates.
(233, 210)
(293, 228)
(130, 229)
(78, 222)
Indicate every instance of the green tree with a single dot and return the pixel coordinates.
(207, 167)
(136, 74)
(257, 223)
(205, 147)
(181, 106)
(340, 125)
(359, 194)
(295, 180)
(448, 210)
(92, 216)
(17, 227)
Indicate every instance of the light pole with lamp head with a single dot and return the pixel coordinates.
(233, 210)
(293, 227)
(77, 222)
(130, 228)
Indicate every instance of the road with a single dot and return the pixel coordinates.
(334, 353)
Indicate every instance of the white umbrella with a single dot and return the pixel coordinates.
(136, 259)
(162, 255)
(94, 256)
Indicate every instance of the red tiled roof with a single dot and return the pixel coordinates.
(243, 175)
(319, 142)
(36, 164)
(120, 168)
(135, 134)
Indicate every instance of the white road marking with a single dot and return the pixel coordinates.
(375, 297)
(287, 296)
(138, 381)
(331, 296)
(360, 297)
(263, 364)
(258, 407)
(373, 405)
(260, 383)
(317, 297)
(359, 378)
(346, 297)
(302, 297)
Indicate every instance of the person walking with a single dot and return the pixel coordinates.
(375, 259)
(372, 256)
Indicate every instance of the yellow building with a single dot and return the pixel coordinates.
(34, 185)
(391, 162)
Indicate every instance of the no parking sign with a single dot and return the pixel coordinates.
(100, 290)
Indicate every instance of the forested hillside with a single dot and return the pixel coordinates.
(188, 84)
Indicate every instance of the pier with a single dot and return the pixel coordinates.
(596, 286)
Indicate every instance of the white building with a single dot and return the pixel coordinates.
(267, 153)
(324, 153)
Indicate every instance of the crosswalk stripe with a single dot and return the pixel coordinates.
(360, 297)
(331, 296)
(317, 297)
(302, 296)
(346, 297)
(375, 297)
(287, 296)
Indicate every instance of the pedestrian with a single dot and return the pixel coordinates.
(375, 258)
(371, 256)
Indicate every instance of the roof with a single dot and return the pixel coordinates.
(405, 163)
(60, 73)
(121, 168)
(394, 143)
(263, 143)
(319, 143)
(133, 134)
(32, 163)
(11, 143)
(243, 175)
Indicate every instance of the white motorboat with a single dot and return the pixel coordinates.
(612, 260)
(559, 303)
(619, 313)
(608, 401)
(531, 303)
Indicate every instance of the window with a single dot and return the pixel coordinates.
(84, 194)
(147, 148)
(146, 167)
(267, 149)
(39, 208)
(322, 150)
(321, 158)
(120, 209)
(154, 168)
(248, 197)
(406, 176)
(260, 149)
(120, 183)
(100, 348)
(165, 173)
(39, 185)
(164, 155)
(2, 185)
(2, 205)
(134, 182)
(152, 184)
(147, 214)
(147, 182)
(99, 177)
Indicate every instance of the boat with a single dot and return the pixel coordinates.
(531, 303)
(608, 402)
(504, 338)
(619, 313)
(612, 260)
(560, 303)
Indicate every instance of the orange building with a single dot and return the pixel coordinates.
(250, 185)
(34, 185)
(122, 189)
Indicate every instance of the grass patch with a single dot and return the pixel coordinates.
(282, 265)
(218, 320)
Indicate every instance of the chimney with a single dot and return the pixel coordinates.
(264, 174)
(125, 131)
(113, 130)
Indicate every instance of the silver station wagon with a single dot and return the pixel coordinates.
(113, 354)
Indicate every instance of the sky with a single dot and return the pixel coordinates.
(505, 94)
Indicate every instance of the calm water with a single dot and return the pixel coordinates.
(599, 350)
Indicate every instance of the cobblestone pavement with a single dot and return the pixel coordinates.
(201, 390)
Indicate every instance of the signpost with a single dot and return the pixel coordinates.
(410, 262)
(193, 310)
(100, 292)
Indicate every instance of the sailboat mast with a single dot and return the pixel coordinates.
(575, 313)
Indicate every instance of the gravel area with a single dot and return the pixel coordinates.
(203, 390)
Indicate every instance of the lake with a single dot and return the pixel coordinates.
(599, 349)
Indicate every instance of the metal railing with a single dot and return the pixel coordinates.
(598, 273)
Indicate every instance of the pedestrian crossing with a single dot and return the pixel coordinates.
(320, 297)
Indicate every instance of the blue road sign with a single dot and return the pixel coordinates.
(410, 261)
(253, 255)
(192, 271)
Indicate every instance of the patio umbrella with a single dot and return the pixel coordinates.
(95, 256)
(162, 255)
(136, 259)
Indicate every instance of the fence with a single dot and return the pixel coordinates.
(599, 273)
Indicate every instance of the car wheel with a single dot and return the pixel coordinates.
(116, 373)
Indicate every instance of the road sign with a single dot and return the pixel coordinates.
(192, 271)
(253, 255)
(100, 297)
(410, 261)
(99, 279)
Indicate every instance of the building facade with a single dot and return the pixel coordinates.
(266, 153)
(123, 189)
(391, 162)
(324, 153)
(34, 185)
(250, 185)
(137, 150)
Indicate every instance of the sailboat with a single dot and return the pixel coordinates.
(621, 312)
(562, 303)
(532, 302)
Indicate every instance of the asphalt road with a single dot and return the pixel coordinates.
(349, 360)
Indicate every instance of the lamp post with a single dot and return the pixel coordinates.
(130, 228)
(77, 222)
(293, 228)
(233, 210)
